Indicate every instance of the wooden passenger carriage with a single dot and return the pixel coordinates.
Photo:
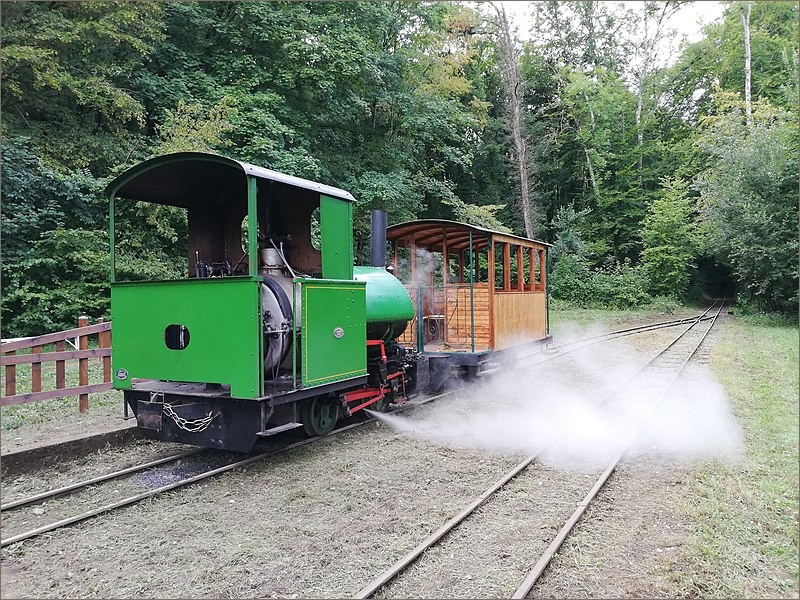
(475, 290)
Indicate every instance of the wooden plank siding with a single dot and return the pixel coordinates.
(518, 318)
(452, 304)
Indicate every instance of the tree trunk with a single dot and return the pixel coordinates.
(748, 105)
(512, 81)
(646, 54)
(643, 68)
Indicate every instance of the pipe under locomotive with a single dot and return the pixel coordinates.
(273, 327)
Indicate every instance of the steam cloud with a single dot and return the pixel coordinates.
(553, 410)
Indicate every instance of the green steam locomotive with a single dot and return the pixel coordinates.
(272, 327)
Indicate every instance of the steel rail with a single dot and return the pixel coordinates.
(604, 337)
(231, 466)
(99, 479)
(139, 497)
(527, 584)
(389, 574)
(594, 339)
(638, 329)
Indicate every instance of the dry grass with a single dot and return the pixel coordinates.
(318, 522)
(323, 520)
(52, 421)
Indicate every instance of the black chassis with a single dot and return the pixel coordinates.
(237, 423)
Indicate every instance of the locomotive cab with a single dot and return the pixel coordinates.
(267, 327)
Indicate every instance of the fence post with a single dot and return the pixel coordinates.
(83, 366)
(11, 377)
(61, 374)
(104, 341)
(36, 372)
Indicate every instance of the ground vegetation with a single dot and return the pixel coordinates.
(407, 106)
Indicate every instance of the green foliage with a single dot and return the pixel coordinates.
(400, 103)
(66, 73)
(749, 200)
(750, 312)
(575, 282)
(616, 286)
(37, 199)
(619, 286)
(193, 128)
(64, 276)
(570, 281)
(568, 224)
(669, 240)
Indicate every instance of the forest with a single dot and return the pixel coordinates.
(662, 170)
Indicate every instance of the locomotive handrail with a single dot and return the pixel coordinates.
(9, 359)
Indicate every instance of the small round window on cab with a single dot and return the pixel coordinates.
(176, 337)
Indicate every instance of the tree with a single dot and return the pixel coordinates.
(749, 199)
(655, 16)
(669, 240)
(748, 102)
(718, 60)
(514, 92)
(66, 73)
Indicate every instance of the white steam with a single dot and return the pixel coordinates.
(554, 410)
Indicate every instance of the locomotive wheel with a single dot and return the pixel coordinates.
(319, 416)
(381, 405)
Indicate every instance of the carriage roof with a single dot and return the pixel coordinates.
(434, 233)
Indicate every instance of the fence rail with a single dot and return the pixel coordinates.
(9, 359)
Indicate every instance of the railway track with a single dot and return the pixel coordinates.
(661, 372)
(150, 465)
(154, 465)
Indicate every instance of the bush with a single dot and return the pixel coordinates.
(65, 276)
(618, 286)
(571, 281)
(666, 305)
(750, 312)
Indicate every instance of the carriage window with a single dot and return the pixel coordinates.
(499, 273)
(537, 266)
(514, 266)
(455, 271)
(403, 264)
(166, 231)
(527, 258)
(436, 265)
(245, 229)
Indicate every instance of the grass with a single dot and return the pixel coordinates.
(33, 413)
(561, 315)
(745, 516)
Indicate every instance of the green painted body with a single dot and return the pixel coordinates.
(336, 231)
(387, 298)
(334, 335)
(222, 316)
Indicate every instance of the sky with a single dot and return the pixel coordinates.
(688, 21)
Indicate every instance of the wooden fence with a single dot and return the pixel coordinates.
(9, 359)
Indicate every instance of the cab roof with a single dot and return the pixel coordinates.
(189, 178)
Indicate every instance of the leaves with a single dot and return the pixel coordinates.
(402, 104)
(749, 199)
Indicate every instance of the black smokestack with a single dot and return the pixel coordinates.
(377, 240)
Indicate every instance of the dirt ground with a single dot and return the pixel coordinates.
(64, 422)
(323, 520)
